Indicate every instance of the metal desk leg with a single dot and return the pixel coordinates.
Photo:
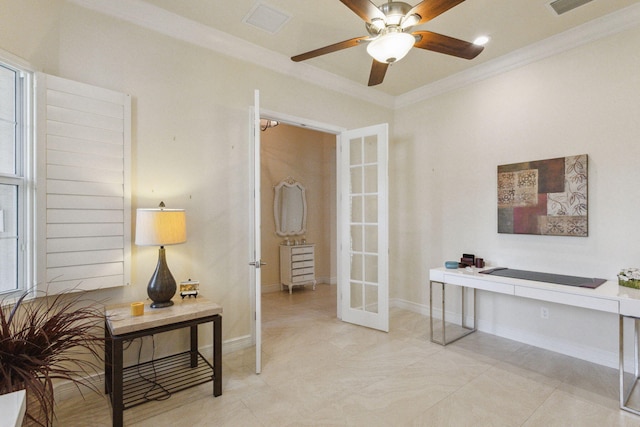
(217, 356)
(625, 395)
(468, 329)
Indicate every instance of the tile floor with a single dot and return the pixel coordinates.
(318, 371)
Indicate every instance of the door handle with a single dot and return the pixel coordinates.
(257, 264)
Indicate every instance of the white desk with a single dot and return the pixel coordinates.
(608, 297)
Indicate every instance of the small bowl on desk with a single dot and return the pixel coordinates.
(451, 264)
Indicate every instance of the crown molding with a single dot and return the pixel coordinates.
(607, 25)
(170, 24)
(159, 20)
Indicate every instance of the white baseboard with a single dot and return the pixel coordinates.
(590, 354)
(409, 306)
(271, 288)
(66, 389)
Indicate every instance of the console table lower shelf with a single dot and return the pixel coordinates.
(158, 379)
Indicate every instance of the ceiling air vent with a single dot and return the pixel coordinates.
(266, 18)
(564, 6)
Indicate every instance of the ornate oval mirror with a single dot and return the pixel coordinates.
(290, 208)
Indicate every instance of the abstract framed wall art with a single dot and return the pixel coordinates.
(545, 197)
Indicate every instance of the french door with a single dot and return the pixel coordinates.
(363, 224)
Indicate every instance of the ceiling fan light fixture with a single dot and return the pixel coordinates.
(391, 47)
(377, 24)
(409, 21)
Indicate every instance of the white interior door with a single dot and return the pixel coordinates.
(363, 226)
(256, 255)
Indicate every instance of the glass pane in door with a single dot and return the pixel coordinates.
(364, 227)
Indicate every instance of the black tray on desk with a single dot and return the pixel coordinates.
(583, 282)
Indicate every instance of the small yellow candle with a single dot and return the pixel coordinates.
(137, 308)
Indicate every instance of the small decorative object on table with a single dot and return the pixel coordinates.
(468, 260)
(629, 277)
(451, 264)
(189, 288)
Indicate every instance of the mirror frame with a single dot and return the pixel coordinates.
(289, 182)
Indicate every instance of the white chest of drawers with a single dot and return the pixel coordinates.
(297, 266)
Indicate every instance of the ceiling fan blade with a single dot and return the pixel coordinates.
(429, 9)
(328, 49)
(447, 45)
(378, 70)
(364, 9)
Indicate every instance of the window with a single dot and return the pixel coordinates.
(16, 177)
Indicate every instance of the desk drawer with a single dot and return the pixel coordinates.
(303, 278)
(302, 257)
(301, 264)
(592, 302)
(302, 271)
(302, 250)
(460, 280)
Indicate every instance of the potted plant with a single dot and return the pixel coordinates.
(45, 339)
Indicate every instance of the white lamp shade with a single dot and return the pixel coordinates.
(391, 47)
(160, 227)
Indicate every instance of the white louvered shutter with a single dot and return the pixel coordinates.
(83, 185)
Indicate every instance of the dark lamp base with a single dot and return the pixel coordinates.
(161, 304)
(162, 286)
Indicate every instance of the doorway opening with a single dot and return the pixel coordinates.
(296, 150)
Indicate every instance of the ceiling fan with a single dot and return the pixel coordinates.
(390, 37)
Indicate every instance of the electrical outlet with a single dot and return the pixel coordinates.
(544, 313)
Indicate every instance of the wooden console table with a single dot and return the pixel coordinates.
(127, 386)
(608, 297)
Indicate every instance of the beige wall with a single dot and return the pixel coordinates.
(309, 157)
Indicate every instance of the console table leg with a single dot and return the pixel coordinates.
(108, 359)
(194, 346)
(116, 381)
(217, 356)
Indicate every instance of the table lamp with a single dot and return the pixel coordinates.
(161, 227)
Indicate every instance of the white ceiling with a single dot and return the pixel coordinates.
(518, 29)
